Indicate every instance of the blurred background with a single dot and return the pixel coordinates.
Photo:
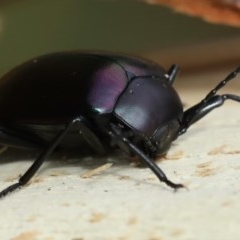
(29, 28)
(58, 204)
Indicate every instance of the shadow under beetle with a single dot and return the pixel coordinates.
(100, 100)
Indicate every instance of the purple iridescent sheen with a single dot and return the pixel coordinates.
(107, 83)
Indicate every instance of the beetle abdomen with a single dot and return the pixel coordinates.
(58, 87)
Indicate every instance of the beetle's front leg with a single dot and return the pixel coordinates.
(198, 111)
(122, 140)
(210, 102)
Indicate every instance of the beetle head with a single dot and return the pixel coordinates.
(152, 109)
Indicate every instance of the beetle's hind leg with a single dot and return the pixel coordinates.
(39, 161)
(18, 139)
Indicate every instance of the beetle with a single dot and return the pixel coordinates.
(98, 100)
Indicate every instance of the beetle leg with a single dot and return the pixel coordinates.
(13, 138)
(121, 138)
(210, 102)
(152, 165)
(39, 161)
(198, 111)
(172, 74)
(230, 77)
(91, 138)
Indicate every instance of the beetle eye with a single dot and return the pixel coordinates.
(160, 133)
(164, 136)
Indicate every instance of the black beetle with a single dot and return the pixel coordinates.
(100, 100)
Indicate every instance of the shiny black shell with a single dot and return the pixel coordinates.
(56, 87)
(51, 90)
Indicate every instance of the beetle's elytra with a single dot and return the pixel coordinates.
(100, 100)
